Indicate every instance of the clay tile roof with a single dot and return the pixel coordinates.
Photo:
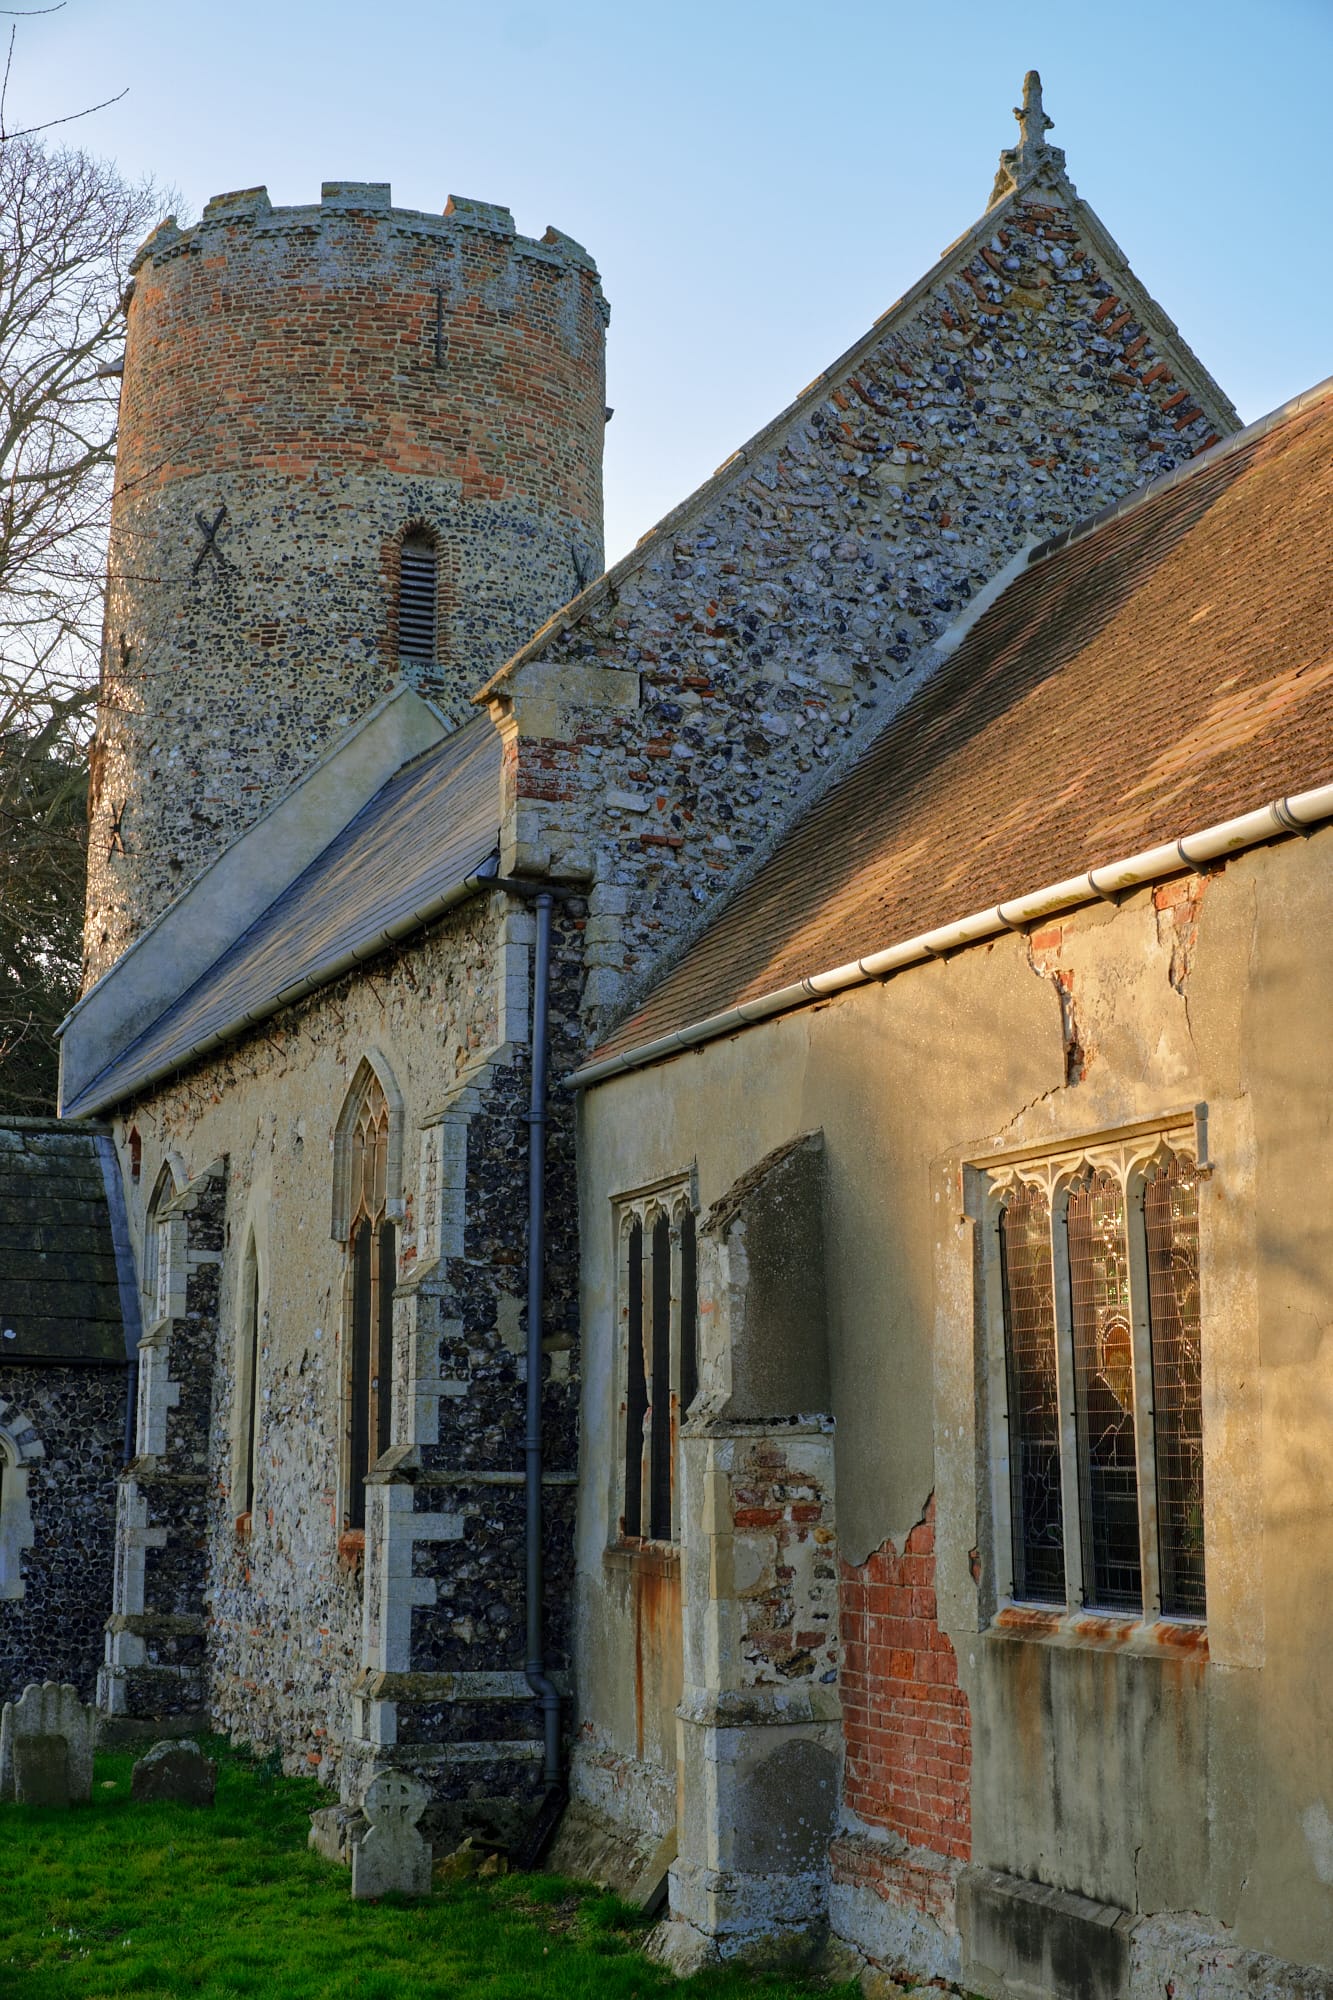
(60, 1287)
(1168, 668)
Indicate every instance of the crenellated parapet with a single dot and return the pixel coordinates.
(306, 391)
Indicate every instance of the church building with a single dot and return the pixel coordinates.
(726, 1164)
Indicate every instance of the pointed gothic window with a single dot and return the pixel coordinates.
(417, 568)
(659, 1320)
(1103, 1403)
(247, 1383)
(164, 1190)
(372, 1253)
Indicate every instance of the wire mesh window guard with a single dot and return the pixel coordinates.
(416, 600)
(1099, 1292)
(1104, 1394)
(372, 1273)
(659, 1340)
(1034, 1411)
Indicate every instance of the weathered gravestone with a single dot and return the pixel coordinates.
(391, 1858)
(178, 1770)
(41, 1771)
(51, 1709)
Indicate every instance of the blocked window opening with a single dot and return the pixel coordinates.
(16, 1533)
(1099, 1290)
(659, 1357)
(417, 592)
(372, 1261)
(9, 1555)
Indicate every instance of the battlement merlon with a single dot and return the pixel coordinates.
(363, 200)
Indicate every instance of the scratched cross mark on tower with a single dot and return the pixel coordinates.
(209, 530)
(262, 504)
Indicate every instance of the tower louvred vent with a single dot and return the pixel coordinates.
(416, 602)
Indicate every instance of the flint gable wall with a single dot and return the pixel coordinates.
(668, 725)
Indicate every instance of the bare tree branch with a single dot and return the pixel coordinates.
(68, 228)
(28, 14)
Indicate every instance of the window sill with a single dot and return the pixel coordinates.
(352, 1547)
(244, 1524)
(660, 1558)
(1102, 1632)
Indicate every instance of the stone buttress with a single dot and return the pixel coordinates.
(441, 1691)
(155, 1679)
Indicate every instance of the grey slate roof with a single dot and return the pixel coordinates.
(417, 846)
(61, 1289)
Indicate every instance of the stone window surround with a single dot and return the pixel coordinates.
(672, 1196)
(250, 1315)
(1126, 1152)
(372, 1071)
(166, 1187)
(420, 535)
(373, 1063)
(19, 1448)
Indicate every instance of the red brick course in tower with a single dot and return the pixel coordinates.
(303, 388)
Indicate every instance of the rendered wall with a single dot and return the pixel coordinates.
(1181, 1790)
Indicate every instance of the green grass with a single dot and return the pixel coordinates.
(118, 1899)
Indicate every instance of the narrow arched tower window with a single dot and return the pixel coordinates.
(371, 1270)
(417, 581)
(247, 1382)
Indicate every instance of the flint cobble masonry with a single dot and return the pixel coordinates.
(53, 1631)
(303, 387)
(658, 734)
(795, 601)
(285, 1596)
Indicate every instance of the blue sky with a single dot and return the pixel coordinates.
(757, 182)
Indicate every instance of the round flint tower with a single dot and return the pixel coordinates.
(357, 444)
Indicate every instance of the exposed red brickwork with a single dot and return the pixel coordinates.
(783, 1520)
(304, 387)
(299, 341)
(913, 1880)
(1177, 905)
(905, 1718)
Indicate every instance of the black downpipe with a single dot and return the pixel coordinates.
(535, 1668)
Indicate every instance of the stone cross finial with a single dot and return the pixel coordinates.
(1019, 163)
(1033, 124)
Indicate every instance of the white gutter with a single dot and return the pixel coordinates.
(90, 1103)
(1286, 815)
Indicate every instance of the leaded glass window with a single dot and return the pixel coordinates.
(1103, 1349)
(1034, 1413)
(1171, 1222)
(1099, 1290)
(372, 1271)
(660, 1368)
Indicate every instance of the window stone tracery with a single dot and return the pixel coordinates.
(1102, 1502)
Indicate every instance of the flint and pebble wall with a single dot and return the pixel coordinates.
(302, 387)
